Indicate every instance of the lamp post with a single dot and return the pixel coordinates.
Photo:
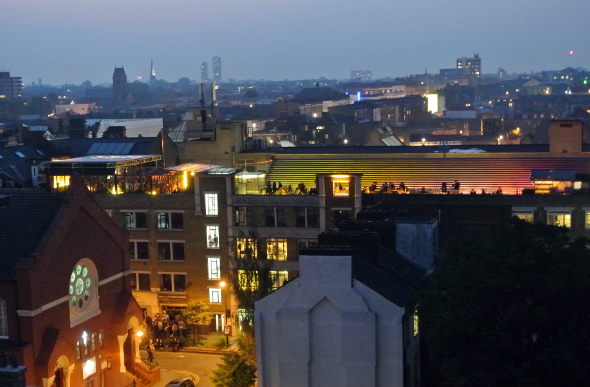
(139, 334)
(225, 327)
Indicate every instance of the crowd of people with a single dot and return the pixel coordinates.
(455, 189)
(272, 188)
(162, 330)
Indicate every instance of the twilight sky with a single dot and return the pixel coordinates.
(76, 40)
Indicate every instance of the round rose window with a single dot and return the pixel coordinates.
(80, 287)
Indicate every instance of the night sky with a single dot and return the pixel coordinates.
(76, 40)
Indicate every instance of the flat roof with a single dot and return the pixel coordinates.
(193, 167)
(120, 160)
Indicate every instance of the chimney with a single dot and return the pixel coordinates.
(565, 136)
(115, 132)
(213, 95)
(11, 375)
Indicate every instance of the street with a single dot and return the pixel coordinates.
(176, 364)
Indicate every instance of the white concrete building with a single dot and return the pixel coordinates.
(340, 323)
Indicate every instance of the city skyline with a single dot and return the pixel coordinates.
(72, 44)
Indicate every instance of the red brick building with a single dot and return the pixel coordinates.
(66, 307)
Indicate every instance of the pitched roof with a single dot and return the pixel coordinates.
(26, 217)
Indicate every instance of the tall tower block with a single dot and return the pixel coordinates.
(217, 69)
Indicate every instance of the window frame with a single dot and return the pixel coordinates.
(277, 243)
(134, 219)
(557, 212)
(214, 274)
(171, 244)
(212, 291)
(212, 230)
(172, 281)
(241, 216)
(136, 275)
(169, 220)
(134, 255)
(212, 210)
(275, 277)
(241, 253)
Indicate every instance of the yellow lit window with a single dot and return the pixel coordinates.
(341, 187)
(248, 280)
(246, 248)
(61, 181)
(276, 248)
(526, 216)
(559, 219)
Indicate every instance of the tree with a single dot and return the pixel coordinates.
(39, 105)
(251, 93)
(250, 281)
(235, 371)
(510, 312)
(196, 313)
(86, 85)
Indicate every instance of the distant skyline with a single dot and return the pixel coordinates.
(74, 41)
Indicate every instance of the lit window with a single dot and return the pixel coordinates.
(77, 349)
(560, 219)
(211, 207)
(139, 250)
(140, 281)
(171, 251)
(248, 280)
(135, 219)
(93, 342)
(3, 319)
(276, 248)
(527, 216)
(246, 248)
(215, 295)
(170, 220)
(100, 337)
(278, 278)
(212, 237)
(214, 268)
(341, 187)
(172, 282)
(587, 219)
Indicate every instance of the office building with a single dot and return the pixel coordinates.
(471, 66)
(204, 72)
(10, 87)
(217, 69)
(361, 75)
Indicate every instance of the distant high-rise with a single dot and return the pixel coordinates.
(361, 75)
(204, 72)
(217, 69)
(152, 73)
(10, 87)
(471, 66)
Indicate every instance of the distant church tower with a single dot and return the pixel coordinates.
(120, 87)
(152, 73)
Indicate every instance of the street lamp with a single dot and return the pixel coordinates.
(139, 334)
(225, 327)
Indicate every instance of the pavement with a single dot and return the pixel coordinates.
(198, 362)
(173, 365)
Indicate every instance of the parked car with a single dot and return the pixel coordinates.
(185, 381)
